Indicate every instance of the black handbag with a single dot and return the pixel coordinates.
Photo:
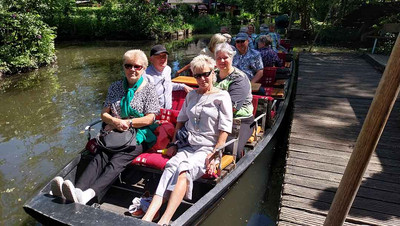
(116, 141)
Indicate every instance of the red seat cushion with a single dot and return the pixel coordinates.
(152, 160)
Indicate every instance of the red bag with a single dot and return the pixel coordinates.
(164, 133)
(91, 145)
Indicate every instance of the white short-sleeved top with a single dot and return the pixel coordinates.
(206, 115)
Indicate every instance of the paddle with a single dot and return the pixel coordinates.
(371, 131)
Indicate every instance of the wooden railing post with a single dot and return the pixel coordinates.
(367, 140)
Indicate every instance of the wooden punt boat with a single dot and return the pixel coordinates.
(133, 182)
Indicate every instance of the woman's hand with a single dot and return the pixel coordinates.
(211, 164)
(171, 151)
(120, 124)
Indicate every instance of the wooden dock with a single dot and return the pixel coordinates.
(334, 92)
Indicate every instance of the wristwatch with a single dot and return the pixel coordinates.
(131, 123)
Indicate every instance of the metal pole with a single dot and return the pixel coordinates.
(373, 48)
(371, 131)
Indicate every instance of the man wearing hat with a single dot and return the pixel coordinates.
(159, 73)
(248, 60)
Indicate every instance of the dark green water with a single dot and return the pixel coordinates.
(43, 114)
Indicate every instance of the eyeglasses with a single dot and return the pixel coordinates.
(205, 74)
(130, 66)
(240, 41)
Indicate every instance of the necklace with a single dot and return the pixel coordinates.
(197, 117)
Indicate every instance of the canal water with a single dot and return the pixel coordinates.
(43, 114)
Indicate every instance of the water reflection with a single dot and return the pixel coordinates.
(44, 112)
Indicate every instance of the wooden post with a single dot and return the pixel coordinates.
(371, 131)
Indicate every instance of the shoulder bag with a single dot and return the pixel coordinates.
(116, 141)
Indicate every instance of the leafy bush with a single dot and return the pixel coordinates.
(134, 19)
(338, 36)
(26, 42)
(208, 23)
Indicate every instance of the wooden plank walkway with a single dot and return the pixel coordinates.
(334, 92)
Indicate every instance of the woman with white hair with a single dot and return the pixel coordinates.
(130, 102)
(237, 84)
(206, 118)
(209, 50)
(269, 56)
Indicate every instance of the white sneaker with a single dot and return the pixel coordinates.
(56, 187)
(78, 193)
(68, 189)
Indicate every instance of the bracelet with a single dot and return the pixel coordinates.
(130, 123)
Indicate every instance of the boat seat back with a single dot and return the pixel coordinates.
(269, 76)
(286, 44)
(168, 115)
(282, 56)
(178, 98)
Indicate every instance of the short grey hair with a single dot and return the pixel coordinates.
(202, 61)
(244, 29)
(134, 54)
(225, 48)
(266, 39)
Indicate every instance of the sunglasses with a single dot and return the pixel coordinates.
(240, 41)
(205, 74)
(130, 66)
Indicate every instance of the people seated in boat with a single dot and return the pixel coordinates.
(130, 102)
(246, 59)
(269, 57)
(159, 74)
(264, 30)
(276, 38)
(207, 118)
(224, 30)
(252, 36)
(209, 50)
(237, 84)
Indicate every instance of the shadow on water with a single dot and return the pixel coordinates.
(43, 114)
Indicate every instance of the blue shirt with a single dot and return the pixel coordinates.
(270, 57)
(250, 63)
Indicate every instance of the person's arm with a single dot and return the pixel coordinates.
(259, 66)
(181, 86)
(186, 67)
(221, 139)
(142, 121)
(168, 88)
(238, 91)
(181, 120)
(113, 122)
(257, 77)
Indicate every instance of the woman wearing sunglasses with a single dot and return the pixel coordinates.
(130, 102)
(207, 116)
(238, 86)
